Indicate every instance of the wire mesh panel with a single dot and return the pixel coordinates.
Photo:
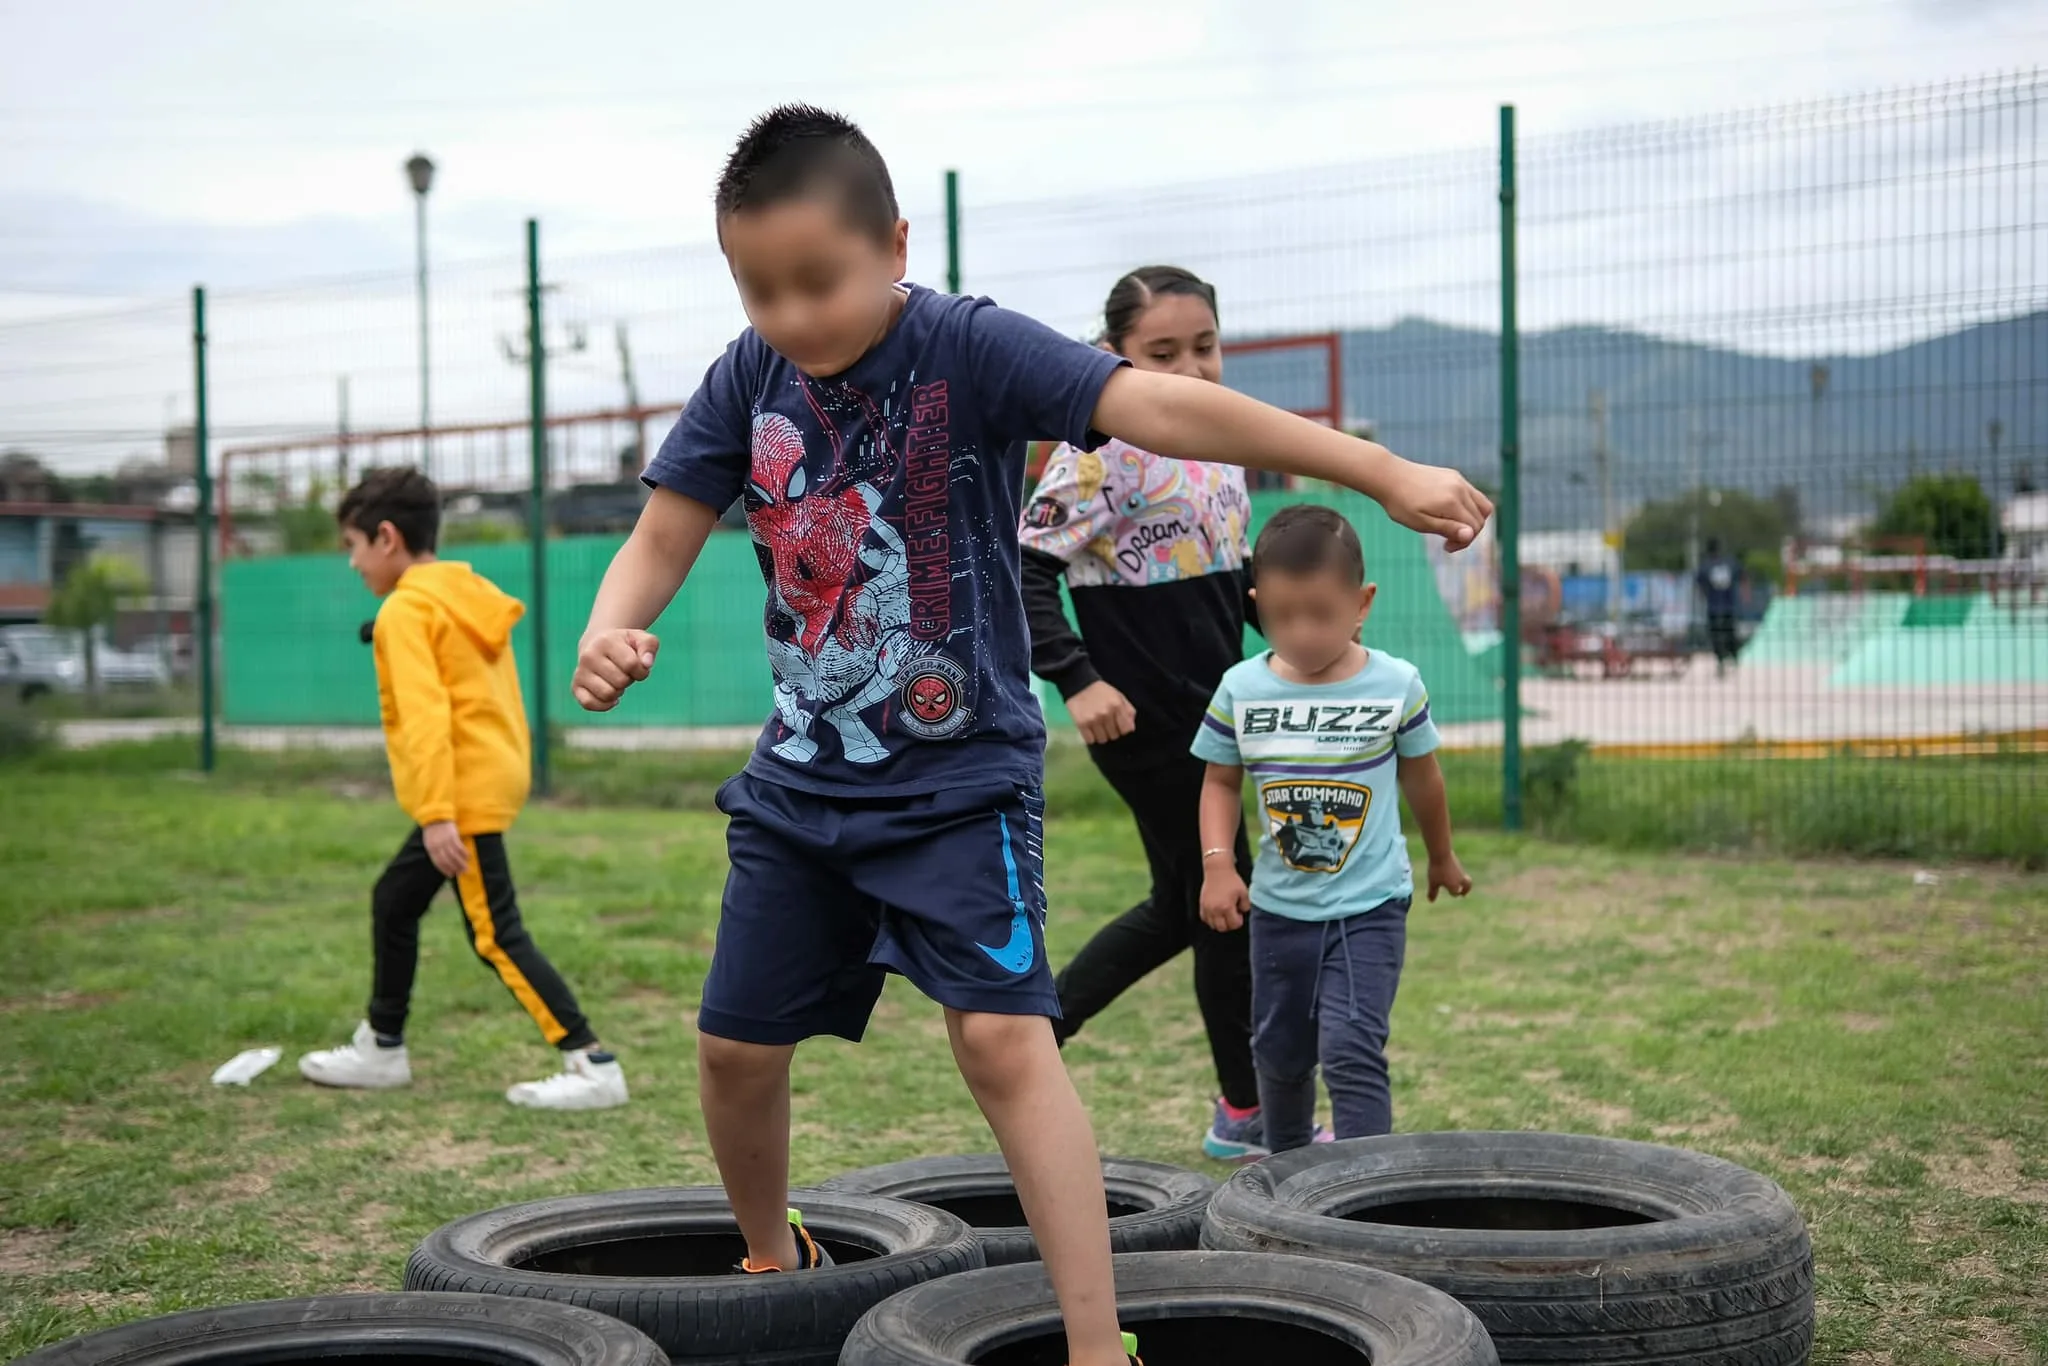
(96, 480)
(1784, 520)
(1783, 376)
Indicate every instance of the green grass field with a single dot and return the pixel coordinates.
(1880, 1047)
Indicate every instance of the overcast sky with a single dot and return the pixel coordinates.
(148, 146)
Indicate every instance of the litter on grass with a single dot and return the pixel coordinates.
(246, 1066)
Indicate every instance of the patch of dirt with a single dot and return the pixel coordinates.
(1468, 1021)
(1993, 1174)
(34, 1252)
(1834, 1175)
(365, 1230)
(245, 1186)
(1989, 1340)
(97, 1301)
(1543, 885)
(95, 920)
(446, 1153)
(1855, 1023)
(1713, 1126)
(1607, 1115)
(58, 1000)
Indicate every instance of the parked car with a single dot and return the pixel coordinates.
(174, 649)
(39, 660)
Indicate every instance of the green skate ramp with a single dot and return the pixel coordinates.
(1951, 641)
(1822, 628)
(1408, 619)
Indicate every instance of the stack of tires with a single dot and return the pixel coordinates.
(1417, 1250)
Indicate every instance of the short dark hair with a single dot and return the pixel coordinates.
(797, 149)
(400, 495)
(1303, 538)
(1135, 292)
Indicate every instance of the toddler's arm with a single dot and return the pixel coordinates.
(1225, 899)
(1422, 783)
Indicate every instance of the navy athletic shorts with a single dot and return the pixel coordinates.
(827, 894)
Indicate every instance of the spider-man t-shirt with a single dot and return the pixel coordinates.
(883, 506)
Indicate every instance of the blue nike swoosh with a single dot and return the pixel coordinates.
(1016, 956)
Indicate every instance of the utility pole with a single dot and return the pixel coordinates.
(632, 403)
(341, 434)
(420, 172)
(1610, 534)
(1694, 494)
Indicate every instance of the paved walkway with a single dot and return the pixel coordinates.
(1771, 704)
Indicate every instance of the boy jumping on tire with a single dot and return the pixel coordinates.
(890, 817)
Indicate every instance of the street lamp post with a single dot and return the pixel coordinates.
(421, 172)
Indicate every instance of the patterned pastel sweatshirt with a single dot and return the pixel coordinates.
(1155, 554)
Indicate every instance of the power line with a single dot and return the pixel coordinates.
(1037, 110)
(1122, 68)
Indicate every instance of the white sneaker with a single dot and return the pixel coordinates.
(359, 1063)
(581, 1085)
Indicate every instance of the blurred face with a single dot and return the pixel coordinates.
(378, 559)
(1311, 619)
(818, 288)
(1177, 335)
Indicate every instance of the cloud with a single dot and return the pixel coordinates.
(62, 244)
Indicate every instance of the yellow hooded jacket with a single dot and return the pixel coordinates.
(448, 688)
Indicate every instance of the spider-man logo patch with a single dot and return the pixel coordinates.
(934, 702)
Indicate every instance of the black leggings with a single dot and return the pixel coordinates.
(490, 914)
(1165, 798)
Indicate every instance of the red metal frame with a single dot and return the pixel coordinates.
(99, 512)
(337, 443)
(1330, 415)
(1333, 350)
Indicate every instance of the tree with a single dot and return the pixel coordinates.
(1950, 513)
(308, 527)
(1751, 529)
(88, 600)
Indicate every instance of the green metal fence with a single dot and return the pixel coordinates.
(1804, 349)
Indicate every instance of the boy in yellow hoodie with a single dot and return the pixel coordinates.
(455, 730)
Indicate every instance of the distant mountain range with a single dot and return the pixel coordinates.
(1741, 420)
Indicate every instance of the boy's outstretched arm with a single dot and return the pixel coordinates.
(617, 650)
(1422, 783)
(1195, 420)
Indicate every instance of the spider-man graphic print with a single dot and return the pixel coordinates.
(882, 504)
(839, 589)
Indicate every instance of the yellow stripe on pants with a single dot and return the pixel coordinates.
(476, 907)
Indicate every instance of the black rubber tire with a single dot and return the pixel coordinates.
(799, 1319)
(471, 1328)
(1170, 1202)
(1387, 1320)
(1720, 1273)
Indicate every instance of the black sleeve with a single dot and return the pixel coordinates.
(1251, 605)
(1057, 654)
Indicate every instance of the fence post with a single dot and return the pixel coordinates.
(1509, 514)
(202, 600)
(537, 504)
(952, 232)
